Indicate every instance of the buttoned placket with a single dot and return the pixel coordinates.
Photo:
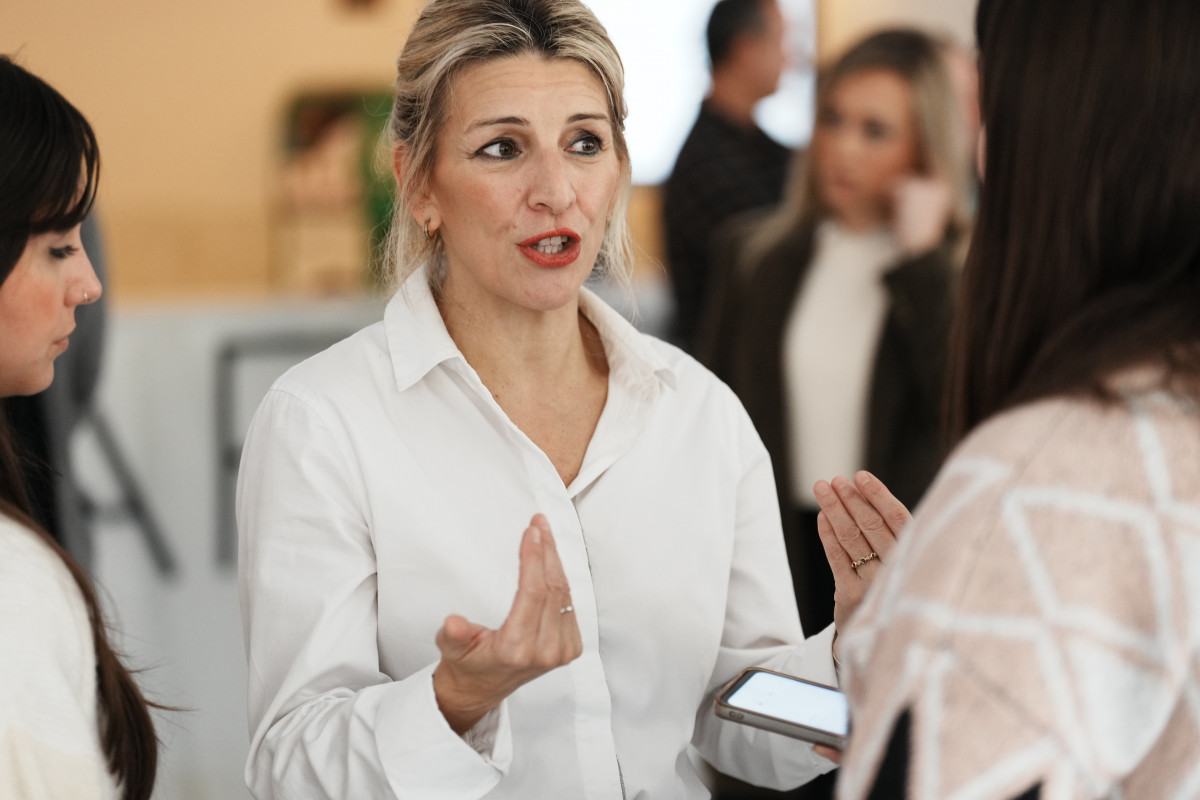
(625, 414)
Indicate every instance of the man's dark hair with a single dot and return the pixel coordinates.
(729, 20)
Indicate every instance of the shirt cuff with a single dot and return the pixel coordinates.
(482, 737)
(422, 756)
(817, 664)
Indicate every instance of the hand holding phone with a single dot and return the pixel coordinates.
(788, 705)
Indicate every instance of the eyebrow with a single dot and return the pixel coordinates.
(521, 121)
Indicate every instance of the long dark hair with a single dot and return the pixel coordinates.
(49, 166)
(1086, 252)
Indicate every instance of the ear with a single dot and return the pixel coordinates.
(743, 50)
(424, 206)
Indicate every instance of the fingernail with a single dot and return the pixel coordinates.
(821, 488)
(863, 478)
(537, 534)
(840, 483)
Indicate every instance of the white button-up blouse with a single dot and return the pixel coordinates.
(382, 489)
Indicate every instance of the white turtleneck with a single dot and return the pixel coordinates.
(829, 346)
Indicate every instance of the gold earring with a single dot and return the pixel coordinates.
(426, 229)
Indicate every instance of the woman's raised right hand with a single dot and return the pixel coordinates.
(859, 523)
(480, 666)
(922, 209)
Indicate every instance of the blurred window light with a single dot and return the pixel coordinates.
(666, 76)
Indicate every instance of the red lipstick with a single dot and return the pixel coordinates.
(554, 249)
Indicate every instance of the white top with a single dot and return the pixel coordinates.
(382, 489)
(49, 730)
(829, 345)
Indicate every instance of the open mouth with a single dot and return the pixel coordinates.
(553, 248)
(551, 245)
(552, 242)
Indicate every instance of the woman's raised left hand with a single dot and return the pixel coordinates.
(480, 666)
(858, 523)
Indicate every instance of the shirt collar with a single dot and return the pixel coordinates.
(418, 340)
(632, 357)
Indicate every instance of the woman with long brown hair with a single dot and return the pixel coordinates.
(832, 313)
(73, 723)
(1036, 629)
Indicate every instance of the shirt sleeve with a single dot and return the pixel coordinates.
(325, 721)
(762, 628)
(49, 737)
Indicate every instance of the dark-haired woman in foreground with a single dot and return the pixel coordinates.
(1036, 632)
(73, 723)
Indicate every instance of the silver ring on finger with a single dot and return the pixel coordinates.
(869, 557)
(565, 609)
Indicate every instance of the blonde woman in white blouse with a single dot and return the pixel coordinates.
(405, 638)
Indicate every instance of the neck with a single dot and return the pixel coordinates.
(861, 220)
(527, 352)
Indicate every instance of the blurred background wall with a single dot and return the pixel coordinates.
(840, 22)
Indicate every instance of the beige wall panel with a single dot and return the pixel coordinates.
(187, 98)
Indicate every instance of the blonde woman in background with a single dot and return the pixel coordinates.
(832, 314)
(501, 543)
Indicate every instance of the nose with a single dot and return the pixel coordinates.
(550, 185)
(844, 144)
(87, 288)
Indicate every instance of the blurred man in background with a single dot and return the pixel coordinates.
(727, 164)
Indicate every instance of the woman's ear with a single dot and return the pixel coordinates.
(424, 208)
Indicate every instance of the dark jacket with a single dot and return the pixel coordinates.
(723, 169)
(744, 347)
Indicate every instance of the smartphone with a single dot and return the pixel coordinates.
(788, 705)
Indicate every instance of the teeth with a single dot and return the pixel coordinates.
(551, 245)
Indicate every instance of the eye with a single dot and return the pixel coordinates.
(63, 252)
(830, 118)
(876, 131)
(588, 144)
(502, 149)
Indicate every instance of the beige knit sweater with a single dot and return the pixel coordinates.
(1040, 619)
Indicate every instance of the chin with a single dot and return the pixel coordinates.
(34, 384)
(547, 302)
(555, 291)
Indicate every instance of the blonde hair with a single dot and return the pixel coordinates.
(918, 59)
(451, 35)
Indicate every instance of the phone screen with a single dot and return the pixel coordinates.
(793, 700)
